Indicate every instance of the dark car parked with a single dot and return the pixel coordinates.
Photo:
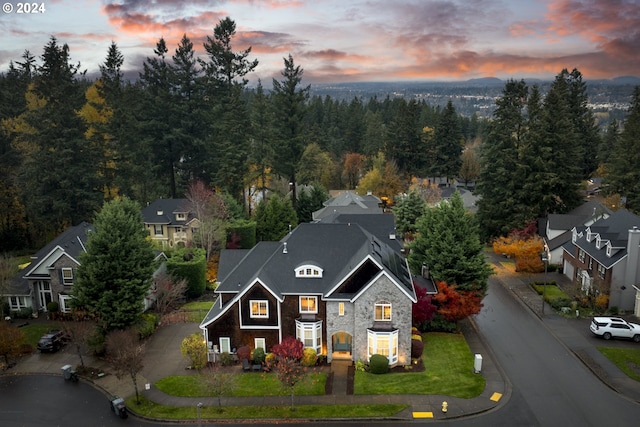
(52, 341)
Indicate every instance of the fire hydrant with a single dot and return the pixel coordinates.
(444, 407)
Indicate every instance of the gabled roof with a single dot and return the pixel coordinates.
(350, 203)
(163, 211)
(338, 249)
(589, 211)
(615, 230)
(70, 243)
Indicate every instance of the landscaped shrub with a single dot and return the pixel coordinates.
(147, 325)
(361, 366)
(53, 307)
(558, 303)
(189, 264)
(602, 302)
(415, 331)
(309, 357)
(258, 355)
(23, 313)
(417, 348)
(378, 364)
(416, 337)
(244, 352)
(225, 359)
(269, 359)
(241, 234)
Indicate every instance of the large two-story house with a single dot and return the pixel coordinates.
(604, 257)
(51, 273)
(336, 287)
(170, 221)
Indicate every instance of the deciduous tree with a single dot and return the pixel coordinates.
(126, 355)
(194, 348)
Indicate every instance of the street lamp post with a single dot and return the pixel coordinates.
(199, 406)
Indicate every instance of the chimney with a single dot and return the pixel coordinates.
(632, 271)
(425, 271)
(284, 250)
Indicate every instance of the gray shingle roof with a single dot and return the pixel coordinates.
(338, 249)
(162, 211)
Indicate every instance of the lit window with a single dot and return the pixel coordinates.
(259, 308)
(385, 343)
(383, 311)
(310, 333)
(308, 304)
(341, 309)
(67, 276)
(260, 343)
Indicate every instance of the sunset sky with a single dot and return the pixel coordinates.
(351, 40)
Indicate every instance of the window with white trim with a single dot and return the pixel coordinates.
(181, 216)
(157, 230)
(260, 343)
(601, 271)
(310, 333)
(67, 276)
(65, 303)
(581, 255)
(225, 345)
(309, 305)
(259, 308)
(385, 343)
(312, 271)
(17, 303)
(383, 311)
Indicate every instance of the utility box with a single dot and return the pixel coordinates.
(477, 364)
(66, 372)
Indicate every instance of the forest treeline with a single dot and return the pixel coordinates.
(69, 143)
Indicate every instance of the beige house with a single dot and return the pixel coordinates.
(170, 222)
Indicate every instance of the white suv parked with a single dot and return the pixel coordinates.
(615, 327)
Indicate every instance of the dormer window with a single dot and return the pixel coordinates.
(609, 251)
(598, 242)
(181, 216)
(309, 271)
(589, 236)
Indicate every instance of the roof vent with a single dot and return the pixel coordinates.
(160, 212)
(284, 250)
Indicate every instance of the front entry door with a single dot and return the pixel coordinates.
(43, 290)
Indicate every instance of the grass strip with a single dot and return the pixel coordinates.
(626, 359)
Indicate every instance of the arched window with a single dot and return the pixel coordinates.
(309, 271)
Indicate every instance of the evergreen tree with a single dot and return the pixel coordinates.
(624, 164)
(403, 144)
(449, 143)
(274, 218)
(225, 72)
(58, 176)
(115, 271)
(262, 135)
(448, 243)
(407, 210)
(289, 101)
(161, 124)
(501, 186)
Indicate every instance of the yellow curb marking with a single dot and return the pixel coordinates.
(423, 415)
(496, 396)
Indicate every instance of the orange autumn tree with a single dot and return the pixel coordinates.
(454, 305)
(525, 246)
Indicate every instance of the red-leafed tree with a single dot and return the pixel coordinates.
(423, 310)
(454, 305)
(289, 348)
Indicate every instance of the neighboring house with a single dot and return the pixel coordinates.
(382, 226)
(52, 271)
(50, 275)
(469, 200)
(170, 222)
(336, 287)
(556, 229)
(349, 203)
(604, 257)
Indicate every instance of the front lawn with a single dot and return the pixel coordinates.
(33, 332)
(448, 371)
(196, 310)
(245, 384)
(626, 359)
(154, 410)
